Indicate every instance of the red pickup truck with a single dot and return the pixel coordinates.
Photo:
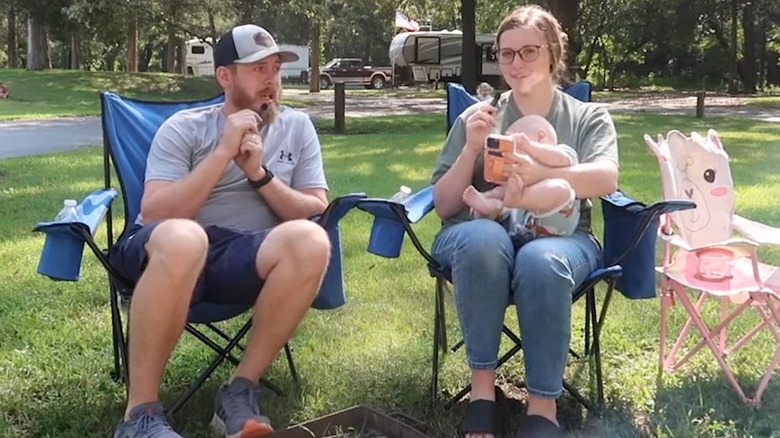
(352, 71)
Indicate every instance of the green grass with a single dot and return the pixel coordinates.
(770, 101)
(55, 345)
(67, 93)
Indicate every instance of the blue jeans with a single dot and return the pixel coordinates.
(540, 278)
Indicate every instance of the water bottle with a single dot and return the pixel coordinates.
(68, 212)
(402, 195)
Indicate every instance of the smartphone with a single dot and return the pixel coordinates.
(495, 146)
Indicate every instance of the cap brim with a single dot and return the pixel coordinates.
(284, 55)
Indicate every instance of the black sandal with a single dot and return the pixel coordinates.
(536, 426)
(484, 417)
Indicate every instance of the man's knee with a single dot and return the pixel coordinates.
(180, 245)
(301, 242)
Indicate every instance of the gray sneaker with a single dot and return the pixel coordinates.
(146, 421)
(237, 413)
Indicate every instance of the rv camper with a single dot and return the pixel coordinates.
(200, 60)
(435, 56)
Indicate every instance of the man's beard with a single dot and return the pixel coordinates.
(267, 110)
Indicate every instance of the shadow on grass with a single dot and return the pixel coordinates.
(688, 408)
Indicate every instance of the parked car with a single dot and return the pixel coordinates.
(352, 71)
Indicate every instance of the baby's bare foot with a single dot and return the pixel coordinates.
(482, 206)
(513, 197)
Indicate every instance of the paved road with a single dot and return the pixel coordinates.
(33, 137)
(45, 136)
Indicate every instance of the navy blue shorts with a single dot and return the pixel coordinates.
(229, 277)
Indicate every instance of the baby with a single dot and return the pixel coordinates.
(484, 91)
(547, 208)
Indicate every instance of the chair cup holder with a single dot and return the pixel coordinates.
(61, 256)
(387, 237)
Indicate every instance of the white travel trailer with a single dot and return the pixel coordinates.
(200, 60)
(436, 55)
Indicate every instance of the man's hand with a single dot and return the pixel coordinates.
(237, 126)
(250, 156)
(478, 126)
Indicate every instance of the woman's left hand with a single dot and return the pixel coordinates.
(529, 170)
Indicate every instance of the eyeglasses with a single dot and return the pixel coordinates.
(529, 53)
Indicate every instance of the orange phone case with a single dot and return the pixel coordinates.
(495, 145)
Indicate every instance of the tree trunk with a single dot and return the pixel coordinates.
(761, 47)
(567, 13)
(37, 46)
(13, 44)
(181, 56)
(772, 68)
(314, 48)
(146, 57)
(212, 28)
(170, 50)
(468, 68)
(132, 45)
(585, 70)
(75, 50)
(733, 81)
(749, 49)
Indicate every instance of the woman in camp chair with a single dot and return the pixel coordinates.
(541, 277)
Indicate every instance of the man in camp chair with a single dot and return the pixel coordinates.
(223, 219)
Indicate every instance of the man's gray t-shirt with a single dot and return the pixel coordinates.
(585, 127)
(291, 150)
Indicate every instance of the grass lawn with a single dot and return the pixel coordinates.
(61, 93)
(770, 101)
(55, 345)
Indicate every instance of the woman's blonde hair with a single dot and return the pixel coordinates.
(535, 17)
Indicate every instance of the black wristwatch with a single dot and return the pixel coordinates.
(262, 181)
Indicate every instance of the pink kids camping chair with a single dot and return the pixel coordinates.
(705, 260)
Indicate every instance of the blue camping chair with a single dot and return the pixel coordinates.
(629, 243)
(128, 128)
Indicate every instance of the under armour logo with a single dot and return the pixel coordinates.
(283, 154)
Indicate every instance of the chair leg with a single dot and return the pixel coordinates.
(582, 400)
(437, 308)
(226, 351)
(287, 351)
(588, 299)
(222, 354)
(502, 360)
(291, 363)
(440, 290)
(598, 324)
(118, 339)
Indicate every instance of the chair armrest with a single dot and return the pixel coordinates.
(756, 231)
(337, 209)
(92, 210)
(419, 204)
(64, 245)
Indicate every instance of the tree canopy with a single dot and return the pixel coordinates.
(732, 44)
